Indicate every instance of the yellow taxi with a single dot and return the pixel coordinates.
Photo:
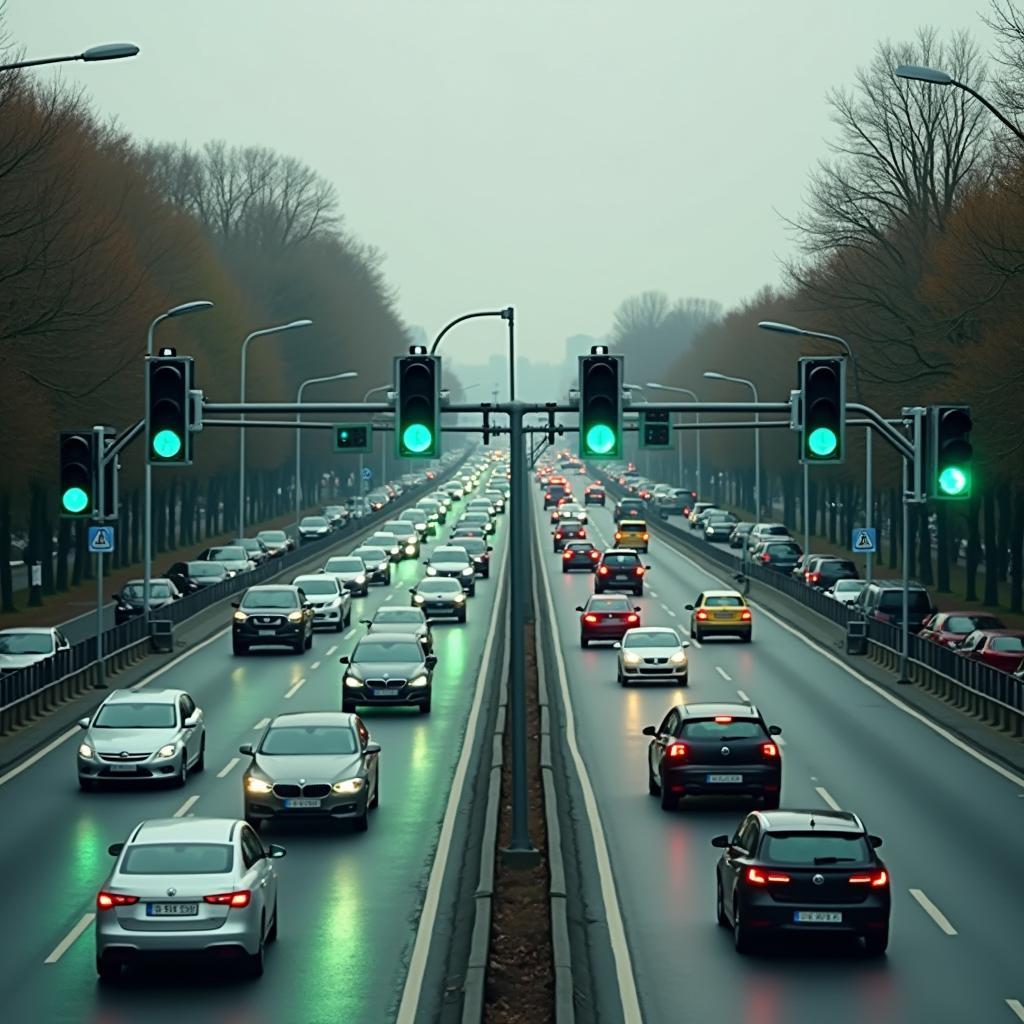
(632, 533)
(720, 613)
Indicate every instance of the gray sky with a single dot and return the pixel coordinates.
(556, 155)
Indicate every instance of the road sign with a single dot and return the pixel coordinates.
(101, 539)
(865, 540)
(367, 473)
(353, 437)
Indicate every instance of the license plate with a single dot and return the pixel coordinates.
(817, 917)
(266, 632)
(172, 909)
(724, 778)
(301, 801)
(122, 768)
(385, 693)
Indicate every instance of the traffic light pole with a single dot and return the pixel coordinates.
(99, 437)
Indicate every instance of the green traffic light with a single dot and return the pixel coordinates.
(417, 438)
(600, 439)
(953, 481)
(75, 500)
(822, 442)
(166, 444)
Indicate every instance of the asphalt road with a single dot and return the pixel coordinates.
(349, 902)
(953, 827)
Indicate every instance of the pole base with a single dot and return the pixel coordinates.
(903, 681)
(521, 859)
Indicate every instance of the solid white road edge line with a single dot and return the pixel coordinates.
(978, 756)
(226, 770)
(69, 940)
(616, 928)
(431, 901)
(186, 806)
(725, 675)
(291, 693)
(933, 911)
(348, 636)
(827, 797)
(1017, 1007)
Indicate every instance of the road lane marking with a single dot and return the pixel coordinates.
(1017, 1007)
(261, 724)
(186, 806)
(330, 650)
(933, 911)
(388, 598)
(69, 940)
(728, 678)
(743, 697)
(827, 797)
(668, 610)
(291, 693)
(226, 770)
(348, 636)
(315, 665)
(696, 643)
(653, 593)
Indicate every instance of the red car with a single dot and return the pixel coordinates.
(951, 628)
(567, 530)
(607, 617)
(1000, 648)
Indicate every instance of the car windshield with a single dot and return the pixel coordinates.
(272, 536)
(205, 569)
(811, 848)
(725, 601)
(235, 554)
(969, 623)
(399, 529)
(435, 586)
(26, 643)
(728, 729)
(373, 554)
(473, 545)
(621, 560)
(783, 550)
(632, 524)
(317, 584)
(1006, 644)
(156, 589)
(475, 517)
(570, 524)
(855, 586)
(454, 555)
(744, 527)
(313, 521)
(391, 616)
(177, 859)
(271, 599)
(295, 740)
(250, 544)
(917, 600)
(618, 603)
(717, 520)
(142, 715)
(387, 650)
(344, 565)
(836, 565)
(660, 638)
(580, 547)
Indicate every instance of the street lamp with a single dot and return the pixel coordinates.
(294, 325)
(196, 306)
(508, 313)
(710, 375)
(347, 375)
(383, 448)
(932, 76)
(108, 51)
(693, 395)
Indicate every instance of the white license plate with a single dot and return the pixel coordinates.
(172, 909)
(817, 917)
(724, 778)
(385, 693)
(122, 768)
(302, 801)
(266, 632)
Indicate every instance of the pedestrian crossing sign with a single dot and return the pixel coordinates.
(101, 539)
(865, 540)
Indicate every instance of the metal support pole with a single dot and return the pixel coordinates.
(147, 494)
(679, 455)
(757, 465)
(510, 316)
(98, 439)
(241, 445)
(807, 510)
(868, 498)
(700, 478)
(905, 624)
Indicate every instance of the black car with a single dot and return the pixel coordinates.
(387, 669)
(620, 569)
(257, 551)
(630, 508)
(594, 495)
(479, 551)
(440, 598)
(884, 602)
(554, 494)
(455, 563)
(272, 615)
(565, 531)
(580, 554)
(780, 555)
(739, 533)
(278, 542)
(397, 619)
(803, 871)
(718, 528)
(129, 602)
(376, 561)
(822, 573)
(189, 577)
(713, 749)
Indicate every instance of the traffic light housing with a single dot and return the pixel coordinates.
(355, 438)
(169, 439)
(823, 410)
(655, 430)
(950, 451)
(600, 386)
(77, 474)
(418, 406)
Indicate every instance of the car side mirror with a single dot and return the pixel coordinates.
(685, 643)
(649, 730)
(192, 721)
(235, 604)
(246, 748)
(426, 561)
(617, 645)
(579, 607)
(721, 842)
(83, 723)
(372, 748)
(647, 567)
(412, 590)
(688, 607)
(344, 659)
(275, 852)
(774, 730)
(365, 622)
(637, 608)
(116, 596)
(114, 849)
(875, 841)
(430, 661)
(490, 549)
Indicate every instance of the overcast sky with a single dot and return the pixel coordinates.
(558, 155)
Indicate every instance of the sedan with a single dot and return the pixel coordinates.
(620, 570)
(313, 528)
(780, 555)
(137, 736)
(479, 552)
(277, 542)
(580, 554)
(388, 541)
(274, 615)
(230, 556)
(387, 669)
(350, 572)
(481, 519)
(440, 597)
(567, 530)
(594, 495)
(396, 619)
(738, 535)
(130, 602)
(606, 618)
(22, 646)
(317, 765)
(189, 577)
(376, 562)
(200, 886)
(570, 510)
(407, 535)
(718, 528)
(653, 654)
(257, 551)
(1000, 648)
(846, 591)
(951, 628)
(331, 600)
(453, 562)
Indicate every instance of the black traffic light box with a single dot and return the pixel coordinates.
(169, 441)
(418, 406)
(356, 438)
(950, 452)
(655, 430)
(600, 388)
(823, 409)
(77, 473)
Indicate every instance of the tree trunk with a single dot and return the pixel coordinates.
(1004, 498)
(46, 532)
(895, 525)
(78, 547)
(911, 553)
(942, 541)
(6, 582)
(991, 548)
(63, 550)
(137, 527)
(973, 549)
(34, 553)
(1017, 552)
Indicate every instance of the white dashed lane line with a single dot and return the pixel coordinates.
(743, 697)
(827, 797)
(725, 675)
(1017, 1007)
(69, 940)
(668, 611)
(186, 806)
(291, 693)
(226, 770)
(348, 636)
(262, 723)
(330, 650)
(933, 912)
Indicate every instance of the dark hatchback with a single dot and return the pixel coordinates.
(822, 573)
(780, 555)
(385, 670)
(479, 552)
(580, 554)
(606, 618)
(189, 577)
(130, 602)
(565, 531)
(801, 872)
(620, 569)
(594, 496)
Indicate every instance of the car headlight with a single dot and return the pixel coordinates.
(419, 681)
(295, 616)
(459, 598)
(418, 598)
(431, 571)
(85, 751)
(354, 681)
(433, 517)
(167, 750)
(410, 549)
(679, 658)
(710, 529)
(348, 786)
(360, 580)
(395, 550)
(240, 617)
(468, 571)
(254, 785)
(631, 659)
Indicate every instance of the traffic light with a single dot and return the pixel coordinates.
(353, 437)
(655, 430)
(170, 406)
(823, 407)
(600, 405)
(418, 405)
(77, 474)
(950, 451)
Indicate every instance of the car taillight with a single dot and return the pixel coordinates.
(769, 750)
(618, 536)
(595, 554)
(676, 750)
(702, 615)
(603, 571)
(758, 876)
(638, 571)
(240, 898)
(567, 554)
(876, 879)
(644, 536)
(745, 615)
(813, 577)
(547, 497)
(632, 618)
(108, 900)
(558, 535)
(723, 719)
(590, 618)
(686, 510)
(766, 557)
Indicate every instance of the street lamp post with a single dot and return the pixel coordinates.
(696, 419)
(147, 511)
(294, 325)
(108, 51)
(647, 454)
(710, 375)
(347, 375)
(508, 314)
(383, 450)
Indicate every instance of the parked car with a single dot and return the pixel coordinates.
(779, 554)
(257, 551)
(1000, 648)
(230, 556)
(952, 628)
(846, 591)
(313, 528)
(826, 570)
(189, 577)
(277, 542)
(21, 646)
(764, 531)
(883, 602)
(129, 601)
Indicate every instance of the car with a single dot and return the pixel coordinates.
(429, 512)
(738, 535)
(580, 554)
(350, 572)
(717, 527)
(846, 591)
(440, 597)
(796, 872)
(396, 619)
(231, 556)
(653, 654)
(1000, 648)
(594, 495)
(571, 510)
(767, 531)
(951, 628)
(312, 765)
(632, 533)
(454, 562)
(257, 551)
(388, 541)
(479, 552)
(883, 602)
(697, 510)
(407, 535)
(721, 748)
(385, 670)
(377, 563)
(189, 577)
(781, 555)
(629, 508)
(676, 501)
(567, 530)
(802, 564)
(497, 499)
(481, 519)
(455, 491)
(606, 618)
(335, 515)
(130, 602)
(142, 736)
(419, 519)
(313, 528)
(277, 542)
(22, 646)
(378, 499)
(554, 494)
(200, 886)
(272, 614)
(822, 573)
(482, 505)
(620, 569)
(330, 598)
(720, 613)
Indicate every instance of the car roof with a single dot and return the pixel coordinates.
(162, 696)
(271, 586)
(632, 522)
(709, 709)
(196, 830)
(799, 820)
(29, 629)
(623, 551)
(313, 718)
(653, 629)
(722, 593)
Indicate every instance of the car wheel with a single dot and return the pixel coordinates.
(182, 777)
(108, 969)
(309, 641)
(652, 784)
(201, 760)
(584, 642)
(272, 934)
(238, 648)
(375, 802)
(299, 646)
(387, 578)
(639, 592)
(425, 708)
(740, 936)
(669, 800)
(876, 943)
(461, 618)
(362, 823)
(622, 680)
(565, 569)
(256, 824)
(748, 637)
(254, 963)
(772, 800)
(720, 905)
(86, 785)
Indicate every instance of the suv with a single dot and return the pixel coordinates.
(883, 602)
(272, 614)
(674, 502)
(826, 570)
(630, 508)
(778, 553)
(620, 569)
(763, 531)
(554, 493)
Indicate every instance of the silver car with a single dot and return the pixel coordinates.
(314, 764)
(331, 599)
(28, 645)
(203, 886)
(396, 619)
(653, 654)
(137, 736)
(388, 541)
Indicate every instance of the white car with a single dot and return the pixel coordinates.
(570, 510)
(846, 591)
(330, 598)
(28, 645)
(653, 654)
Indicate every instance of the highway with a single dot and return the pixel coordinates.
(952, 824)
(349, 902)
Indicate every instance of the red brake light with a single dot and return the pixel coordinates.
(813, 577)
(108, 900)
(567, 554)
(769, 750)
(589, 618)
(232, 899)
(757, 876)
(702, 615)
(723, 718)
(548, 496)
(644, 536)
(595, 554)
(639, 570)
(745, 615)
(877, 880)
(766, 557)
(676, 750)
(558, 535)
(632, 618)
(603, 571)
